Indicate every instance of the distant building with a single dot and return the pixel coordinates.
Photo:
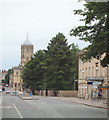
(92, 77)
(2, 75)
(26, 54)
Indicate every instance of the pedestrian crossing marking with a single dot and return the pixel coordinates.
(5, 107)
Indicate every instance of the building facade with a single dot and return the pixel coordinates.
(27, 51)
(92, 76)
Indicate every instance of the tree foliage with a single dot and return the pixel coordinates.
(95, 30)
(74, 51)
(53, 68)
(7, 77)
(58, 63)
(33, 71)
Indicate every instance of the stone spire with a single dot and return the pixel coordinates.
(27, 42)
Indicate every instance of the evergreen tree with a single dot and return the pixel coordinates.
(58, 64)
(74, 51)
(7, 77)
(54, 68)
(33, 72)
(95, 30)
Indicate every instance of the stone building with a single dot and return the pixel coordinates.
(27, 51)
(92, 77)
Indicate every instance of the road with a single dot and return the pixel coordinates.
(46, 107)
(0, 103)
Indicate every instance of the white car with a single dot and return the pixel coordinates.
(1, 90)
(6, 85)
(7, 92)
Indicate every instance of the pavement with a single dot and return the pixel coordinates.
(90, 102)
(26, 96)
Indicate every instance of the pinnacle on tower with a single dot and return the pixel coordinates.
(27, 42)
(27, 35)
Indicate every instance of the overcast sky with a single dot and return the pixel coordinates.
(42, 19)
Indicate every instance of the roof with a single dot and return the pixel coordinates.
(27, 42)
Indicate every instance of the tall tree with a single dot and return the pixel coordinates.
(7, 77)
(95, 30)
(58, 63)
(74, 51)
(33, 71)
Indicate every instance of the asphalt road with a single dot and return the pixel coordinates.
(46, 107)
(0, 105)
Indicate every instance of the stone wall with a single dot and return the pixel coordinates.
(60, 93)
(67, 93)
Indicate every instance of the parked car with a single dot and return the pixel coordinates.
(8, 92)
(1, 90)
(6, 85)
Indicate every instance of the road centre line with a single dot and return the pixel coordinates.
(18, 111)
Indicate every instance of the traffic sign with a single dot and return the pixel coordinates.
(89, 83)
(96, 83)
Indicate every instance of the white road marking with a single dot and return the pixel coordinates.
(5, 107)
(18, 111)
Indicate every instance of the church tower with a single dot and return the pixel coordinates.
(27, 50)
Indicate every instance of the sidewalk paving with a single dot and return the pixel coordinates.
(26, 96)
(90, 102)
